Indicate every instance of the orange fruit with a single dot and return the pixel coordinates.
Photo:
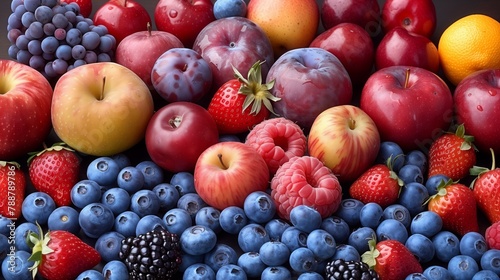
(469, 44)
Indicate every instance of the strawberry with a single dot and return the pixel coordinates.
(486, 189)
(230, 105)
(12, 189)
(60, 255)
(391, 259)
(452, 155)
(379, 184)
(456, 205)
(55, 171)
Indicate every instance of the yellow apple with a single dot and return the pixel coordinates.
(101, 109)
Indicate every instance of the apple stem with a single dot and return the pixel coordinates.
(148, 27)
(407, 77)
(102, 89)
(352, 123)
(221, 162)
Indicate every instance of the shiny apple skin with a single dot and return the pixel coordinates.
(245, 172)
(416, 16)
(178, 133)
(477, 106)
(412, 116)
(233, 41)
(365, 13)
(122, 18)
(308, 81)
(183, 18)
(140, 50)
(346, 140)
(352, 45)
(401, 47)
(25, 100)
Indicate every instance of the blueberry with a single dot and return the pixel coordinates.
(411, 173)
(188, 260)
(391, 149)
(149, 223)
(346, 252)
(145, 202)
(473, 244)
(37, 206)
(16, 266)
(275, 228)
(371, 215)
(231, 272)
(209, 216)
(229, 138)
(413, 196)
(417, 158)
(126, 223)
(96, 219)
(168, 196)
(153, 174)
(184, 182)
(177, 220)
(108, 245)
(437, 272)
(5, 225)
(219, 256)
(305, 218)
(104, 171)
(251, 263)
(491, 260)
(192, 203)
(4, 246)
(433, 182)
(421, 246)
(251, 237)
(392, 229)
(302, 260)
(115, 270)
(259, 207)
(349, 210)
(274, 253)
(446, 245)
(427, 223)
(232, 219)
(462, 267)
(131, 179)
(337, 227)
(276, 272)
(64, 218)
(199, 271)
(485, 275)
(321, 243)
(229, 8)
(415, 276)
(117, 199)
(359, 239)
(198, 240)
(294, 238)
(21, 234)
(399, 213)
(85, 192)
(310, 276)
(122, 160)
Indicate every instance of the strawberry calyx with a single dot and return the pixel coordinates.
(393, 175)
(479, 170)
(39, 243)
(255, 91)
(468, 139)
(370, 257)
(55, 147)
(4, 163)
(441, 189)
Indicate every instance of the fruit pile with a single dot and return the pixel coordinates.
(235, 143)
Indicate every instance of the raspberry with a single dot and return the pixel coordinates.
(307, 181)
(277, 140)
(492, 236)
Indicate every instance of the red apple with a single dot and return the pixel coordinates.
(353, 46)
(25, 98)
(346, 140)
(85, 6)
(140, 50)
(183, 18)
(227, 172)
(411, 106)
(122, 18)
(416, 16)
(365, 13)
(477, 106)
(308, 81)
(178, 133)
(402, 47)
(233, 41)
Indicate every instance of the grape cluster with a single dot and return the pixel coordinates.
(53, 37)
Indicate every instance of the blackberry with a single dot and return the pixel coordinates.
(351, 270)
(155, 255)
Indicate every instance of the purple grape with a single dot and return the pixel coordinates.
(22, 42)
(35, 48)
(91, 40)
(64, 52)
(73, 37)
(27, 19)
(58, 9)
(43, 14)
(49, 3)
(15, 3)
(37, 62)
(14, 22)
(35, 30)
(48, 56)
(100, 29)
(13, 34)
(60, 21)
(60, 34)
(83, 26)
(49, 70)
(79, 62)
(103, 57)
(71, 16)
(107, 43)
(12, 51)
(60, 66)
(23, 56)
(31, 5)
(78, 52)
(49, 29)
(90, 57)
(19, 11)
(49, 44)
(72, 7)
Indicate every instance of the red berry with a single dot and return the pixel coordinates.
(492, 236)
